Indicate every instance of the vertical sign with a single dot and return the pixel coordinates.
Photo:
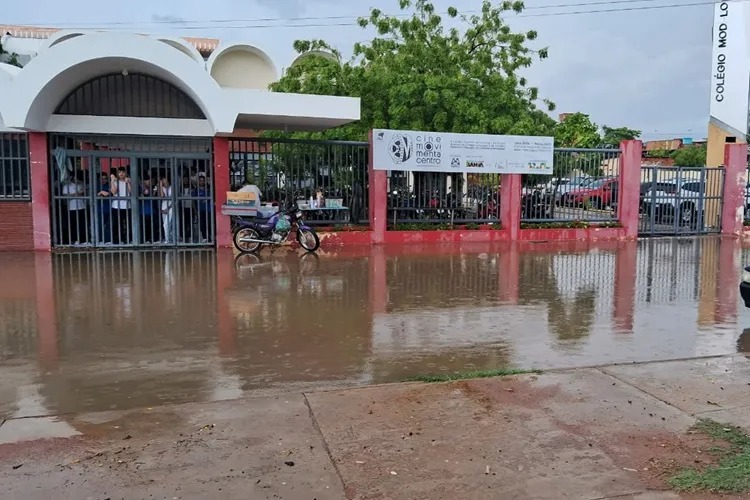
(730, 67)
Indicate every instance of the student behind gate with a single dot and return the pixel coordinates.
(105, 209)
(204, 206)
(77, 220)
(121, 190)
(148, 211)
(167, 209)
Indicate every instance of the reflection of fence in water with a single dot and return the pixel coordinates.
(18, 328)
(122, 298)
(669, 271)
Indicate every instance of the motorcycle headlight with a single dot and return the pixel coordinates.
(746, 275)
(299, 215)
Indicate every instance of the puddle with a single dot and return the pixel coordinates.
(115, 331)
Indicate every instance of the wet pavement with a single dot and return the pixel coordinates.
(118, 331)
(593, 433)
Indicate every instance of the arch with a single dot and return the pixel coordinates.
(240, 65)
(132, 95)
(186, 48)
(62, 36)
(315, 53)
(52, 75)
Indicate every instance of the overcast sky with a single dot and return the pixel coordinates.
(642, 68)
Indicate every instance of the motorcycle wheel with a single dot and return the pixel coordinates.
(308, 239)
(246, 246)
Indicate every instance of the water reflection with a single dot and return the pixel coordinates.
(86, 332)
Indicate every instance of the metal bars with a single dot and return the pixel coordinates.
(130, 95)
(15, 176)
(102, 197)
(680, 200)
(326, 179)
(584, 187)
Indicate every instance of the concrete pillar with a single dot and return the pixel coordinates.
(378, 198)
(221, 186)
(40, 205)
(735, 180)
(628, 199)
(510, 204)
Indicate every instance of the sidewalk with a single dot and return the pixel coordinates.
(592, 433)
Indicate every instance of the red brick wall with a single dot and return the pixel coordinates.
(16, 226)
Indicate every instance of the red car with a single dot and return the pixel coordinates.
(600, 193)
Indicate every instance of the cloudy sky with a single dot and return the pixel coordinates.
(645, 64)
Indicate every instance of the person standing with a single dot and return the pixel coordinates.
(150, 225)
(105, 209)
(167, 209)
(121, 190)
(77, 228)
(186, 219)
(205, 212)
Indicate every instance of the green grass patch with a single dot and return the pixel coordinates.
(449, 377)
(731, 474)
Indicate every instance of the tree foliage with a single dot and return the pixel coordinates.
(419, 74)
(9, 57)
(690, 156)
(578, 131)
(612, 137)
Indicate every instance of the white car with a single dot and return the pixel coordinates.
(674, 200)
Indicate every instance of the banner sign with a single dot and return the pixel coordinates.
(462, 153)
(730, 67)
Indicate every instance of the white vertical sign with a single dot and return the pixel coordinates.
(730, 67)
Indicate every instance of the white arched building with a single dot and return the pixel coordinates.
(95, 100)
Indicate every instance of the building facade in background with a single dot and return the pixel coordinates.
(89, 104)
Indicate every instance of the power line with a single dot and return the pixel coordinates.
(286, 21)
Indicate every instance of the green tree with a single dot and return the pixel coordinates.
(612, 137)
(690, 156)
(577, 131)
(9, 57)
(418, 74)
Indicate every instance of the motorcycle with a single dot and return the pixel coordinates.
(250, 235)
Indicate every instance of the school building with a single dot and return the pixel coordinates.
(88, 103)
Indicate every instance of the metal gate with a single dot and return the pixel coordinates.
(680, 200)
(131, 192)
(327, 179)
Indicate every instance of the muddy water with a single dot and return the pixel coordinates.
(91, 332)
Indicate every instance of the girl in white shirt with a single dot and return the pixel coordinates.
(121, 190)
(167, 209)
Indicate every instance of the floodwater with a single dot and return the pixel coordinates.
(102, 331)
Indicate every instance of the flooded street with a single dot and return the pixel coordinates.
(101, 331)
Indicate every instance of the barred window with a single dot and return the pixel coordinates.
(14, 167)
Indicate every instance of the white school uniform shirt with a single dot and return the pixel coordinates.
(167, 203)
(71, 189)
(122, 190)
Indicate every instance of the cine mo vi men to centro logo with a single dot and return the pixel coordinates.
(401, 148)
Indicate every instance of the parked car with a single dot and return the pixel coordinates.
(745, 287)
(600, 193)
(674, 199)
(569, 186)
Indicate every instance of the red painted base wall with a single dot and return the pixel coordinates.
(16, 226)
